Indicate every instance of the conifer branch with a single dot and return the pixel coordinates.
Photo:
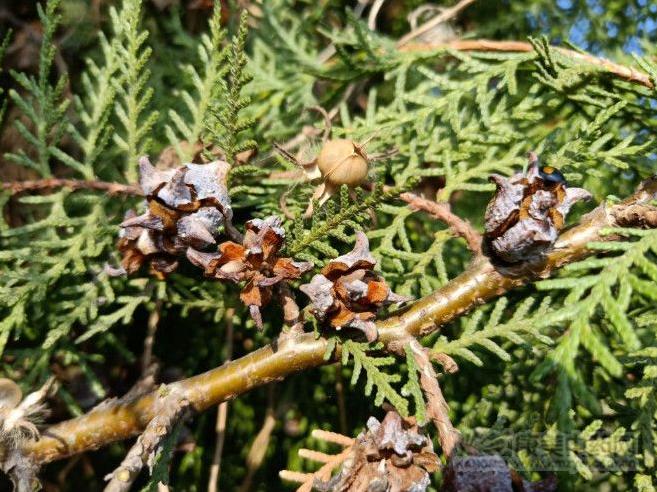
(43, 103)
(628, 73)
(481, 282)
(132, 88)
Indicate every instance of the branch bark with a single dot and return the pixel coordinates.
(481, 282)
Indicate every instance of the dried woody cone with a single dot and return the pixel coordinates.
(186, 206)
(348, 293)
(255, 262)
(390, 456)
(525, 216)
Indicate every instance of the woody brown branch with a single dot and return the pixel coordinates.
(481, 282)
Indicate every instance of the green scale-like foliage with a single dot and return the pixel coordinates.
(567, 358)
(45, 106)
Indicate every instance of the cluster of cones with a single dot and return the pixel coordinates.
(185, 210)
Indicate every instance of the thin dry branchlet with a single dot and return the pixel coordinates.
(442, 211)
(437, 408)
(255, 261)
(348, 293)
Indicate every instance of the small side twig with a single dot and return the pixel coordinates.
(328, 124)
(144, 451)
(348, 92)
(437, 408)
(22, 472)
(374, 12)
(260, 444)
(442, 211)
(292, 316)
(444, 16)
(222, 412)
(16, 187)
(149, 341)
(339, 390)
(629, 74)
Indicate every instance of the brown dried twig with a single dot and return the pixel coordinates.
(149, 340)
(479, 283)
(443, 212)
(258, 448)
(222, 411)
(444, 16)
(16, 187)
(437, 408)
